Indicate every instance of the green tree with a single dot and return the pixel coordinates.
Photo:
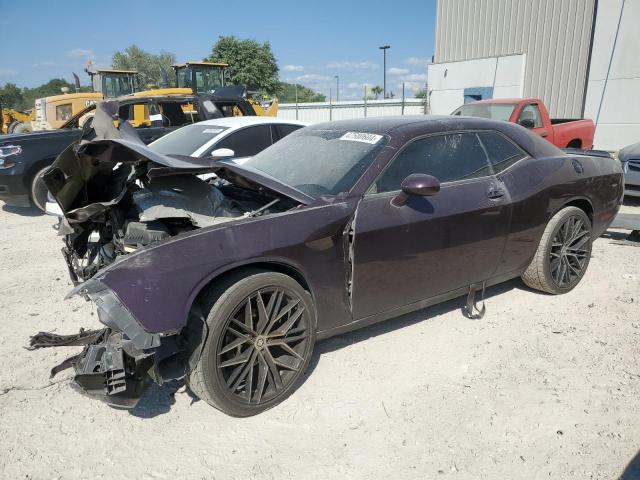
(11, 96)
(421, 94)
(52, 87)
(250, 63)
(148, 65)
(376, 91)
(287, 94)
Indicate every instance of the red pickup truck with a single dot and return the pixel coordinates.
(532, 113)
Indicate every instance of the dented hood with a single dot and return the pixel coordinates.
(92, 174)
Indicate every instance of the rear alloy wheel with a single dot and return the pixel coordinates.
(563, 254)
(39, 191)
(262, 332)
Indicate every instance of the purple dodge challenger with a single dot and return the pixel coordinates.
(228, 282)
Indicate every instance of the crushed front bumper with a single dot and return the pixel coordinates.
(119, 361)
(107, 372)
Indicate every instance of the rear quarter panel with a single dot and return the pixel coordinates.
(540, 187)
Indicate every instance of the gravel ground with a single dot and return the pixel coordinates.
(542, 387)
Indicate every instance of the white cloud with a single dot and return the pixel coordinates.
(418, 62)
(397, 71)
(79, 53)
(347, 65)
(43, 64)
(310, 77)
(355, 85)
(7, 72)
(416, 77)
(293, 68)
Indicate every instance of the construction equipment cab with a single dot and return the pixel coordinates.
(113, 83)
(201, 77)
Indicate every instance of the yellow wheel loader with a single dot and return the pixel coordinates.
(54, 111)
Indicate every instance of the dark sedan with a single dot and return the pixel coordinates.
(25, 157)
(229, 283)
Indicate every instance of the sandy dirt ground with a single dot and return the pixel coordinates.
(542, 387)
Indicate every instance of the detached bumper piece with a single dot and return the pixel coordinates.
(108, 368)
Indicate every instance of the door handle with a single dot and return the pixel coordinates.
(495, 191)
(544, 135)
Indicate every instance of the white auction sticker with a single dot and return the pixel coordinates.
(212, 130)
(371, 138)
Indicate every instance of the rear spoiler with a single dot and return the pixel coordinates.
(588, 153)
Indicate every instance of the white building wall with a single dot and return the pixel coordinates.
(324, 111)
(613, 89)
(554, 34)
(448, 81)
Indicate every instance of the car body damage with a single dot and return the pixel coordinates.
(118, 196)
(228, 282)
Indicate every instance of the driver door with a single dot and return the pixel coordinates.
(431, 245)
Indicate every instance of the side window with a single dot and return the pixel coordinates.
(248, 141)
(531, 112)
(64, 112)
(502, 152)
(176, 114)
(449, 157)
(282, 130)
(125, 112)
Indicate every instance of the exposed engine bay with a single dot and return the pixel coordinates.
(118, 195)
(154, 210)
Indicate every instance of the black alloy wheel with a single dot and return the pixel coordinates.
(263, 345)
(570, 251)
(261, 337)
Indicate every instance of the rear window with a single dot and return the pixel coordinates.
(186, 140)
(494, 111)
(502, 152)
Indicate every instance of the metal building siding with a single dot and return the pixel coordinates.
(554, 34)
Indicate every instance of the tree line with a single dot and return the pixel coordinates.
(250, 63)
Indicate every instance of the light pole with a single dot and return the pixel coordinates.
(337, 77)
(384, 68)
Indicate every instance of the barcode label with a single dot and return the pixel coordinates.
(371, 138)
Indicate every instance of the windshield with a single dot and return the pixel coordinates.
(186, 140)
(319, 162)
(494, 111)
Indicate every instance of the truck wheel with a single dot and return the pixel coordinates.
(22, 128)
(563, 253)
(261, 336)
(39, 191)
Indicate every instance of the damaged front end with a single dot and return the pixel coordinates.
(119, 197)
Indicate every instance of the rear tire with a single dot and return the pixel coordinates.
(563, 254)
(39, 191)
(261, 337)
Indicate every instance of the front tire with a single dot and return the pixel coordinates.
(39, 191)
(260, 341)
(563, 254)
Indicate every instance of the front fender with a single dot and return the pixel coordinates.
(159, 284)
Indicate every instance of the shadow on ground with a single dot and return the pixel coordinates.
(158, 400)
(24, 211)
(351, 338)
(632, 472)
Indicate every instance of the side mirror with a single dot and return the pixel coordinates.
(222, 153)
(418, 185)
(526, 123)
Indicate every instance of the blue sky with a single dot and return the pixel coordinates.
(312, 41)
